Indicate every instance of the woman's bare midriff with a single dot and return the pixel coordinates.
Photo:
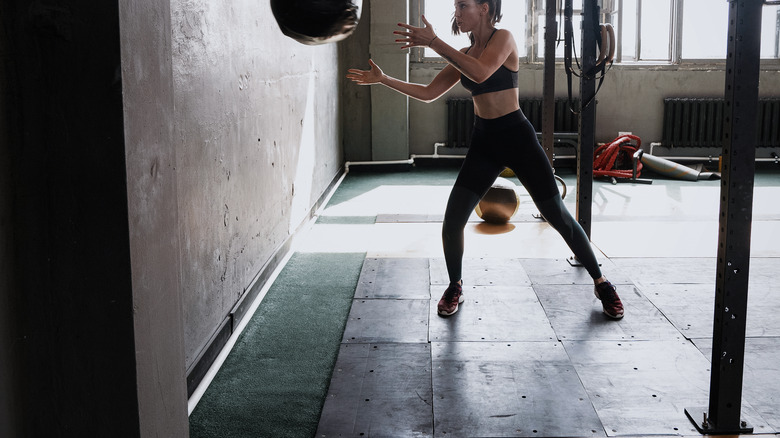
(496, 104)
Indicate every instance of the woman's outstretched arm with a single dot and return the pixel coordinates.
(443, 82)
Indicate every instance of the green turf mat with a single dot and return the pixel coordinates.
(274, 382)
(357, 184)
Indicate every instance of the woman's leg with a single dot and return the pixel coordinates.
(559, 217)
(534, 171)
(474, 179)
(461, 203)
(476, 176)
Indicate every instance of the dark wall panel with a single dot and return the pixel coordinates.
(71, 293)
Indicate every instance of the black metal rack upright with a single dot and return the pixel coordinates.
(723, 415)
(587, 130)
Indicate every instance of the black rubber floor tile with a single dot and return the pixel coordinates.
(387, 320)
(576, 314)
(760, 386)
(492, 313)
(682, 270)
(399, 278)
(515, 389)
(381, 391)
(567, 271)
(485, 271)
(691, 308)
(642, 387)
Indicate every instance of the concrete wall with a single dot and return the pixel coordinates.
(631, 99)
(152, 216)
(356, 100)
(389, 110)
(257, 140)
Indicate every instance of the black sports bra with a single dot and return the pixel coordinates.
(502, 79)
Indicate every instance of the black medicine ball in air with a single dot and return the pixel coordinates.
(317, 21)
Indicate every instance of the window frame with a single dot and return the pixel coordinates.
(417, 54)
(611, 11)
(777, 35)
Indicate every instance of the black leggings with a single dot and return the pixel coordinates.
(508, 141)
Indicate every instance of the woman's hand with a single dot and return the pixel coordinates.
(416, 36)
(366, 77)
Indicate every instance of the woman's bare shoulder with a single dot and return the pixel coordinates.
(504, 32)
(504, 37)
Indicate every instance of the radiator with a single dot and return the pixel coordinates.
(460, 118)
(460, 122)
(565, 120)
(699, 122)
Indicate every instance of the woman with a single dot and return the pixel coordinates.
(502, 137)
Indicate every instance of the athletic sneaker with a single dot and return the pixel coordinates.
(450, 300)
(610, 301)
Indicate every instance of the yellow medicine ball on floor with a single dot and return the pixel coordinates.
(500, 202)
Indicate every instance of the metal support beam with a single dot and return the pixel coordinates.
(587, 115)
(736, 214)
(548, 101)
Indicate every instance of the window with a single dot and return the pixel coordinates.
(676, 31)
(541, 23)
(440, 12)
(648, 31)
(770, 32)
(704, 36)
(654, 29)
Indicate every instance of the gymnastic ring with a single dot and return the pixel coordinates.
(604, 45)
(607, 46)
(612, 43)
(563, 183)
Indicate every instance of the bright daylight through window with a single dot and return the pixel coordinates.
(648, 31)
(440, 12)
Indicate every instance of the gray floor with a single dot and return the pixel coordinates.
(530, 354)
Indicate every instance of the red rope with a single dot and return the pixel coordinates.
(606, 155)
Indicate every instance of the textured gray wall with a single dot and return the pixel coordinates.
(356, 100)
(147, 90)
(389, 109)
(257, 141)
